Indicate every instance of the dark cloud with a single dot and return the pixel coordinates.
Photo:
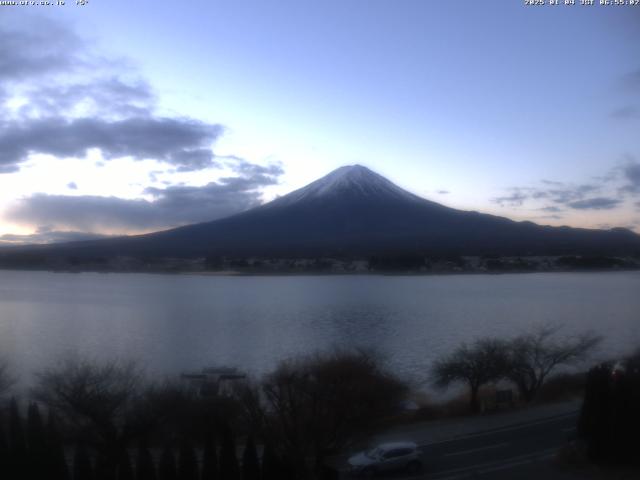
(169, 207)
(180, 142)
(37, 46)
(103, 96)
(629, 112)
(194, 159)
(604, 192)
(552, 209)
(245, 168)
(46, 235)
(569, 194)
(559, 194)
(516, 199)
(85, 213)
(597, 203)
(72, 186)
(538, 194)
(8, 168)
(74, 99)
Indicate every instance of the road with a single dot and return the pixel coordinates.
(496, 451)
(504, 453)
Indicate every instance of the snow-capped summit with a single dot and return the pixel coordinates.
(352, 181)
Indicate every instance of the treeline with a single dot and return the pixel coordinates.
(417, 263)
(610, 417)
(33, 450)
(405, 263)
(105, 422)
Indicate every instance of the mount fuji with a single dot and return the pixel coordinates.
(355, 212)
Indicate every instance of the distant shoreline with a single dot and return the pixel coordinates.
(237, 273)
(373, 265)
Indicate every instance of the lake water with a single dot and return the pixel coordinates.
(171, 323)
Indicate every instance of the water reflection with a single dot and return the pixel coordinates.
(174, 322)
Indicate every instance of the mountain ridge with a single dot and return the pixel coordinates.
(354, 212)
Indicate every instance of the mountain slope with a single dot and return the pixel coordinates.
(355, 212)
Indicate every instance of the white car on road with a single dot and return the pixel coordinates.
(387, 457)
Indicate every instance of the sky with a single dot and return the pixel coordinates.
(121, 117)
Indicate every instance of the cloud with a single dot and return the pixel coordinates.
(597, 203)
(102, 96)
(180, 142)
(60, 96)
(552, 209)
(568, 194)
(559, 193)
(243, 167)
(194, 159)
(86, 213)
(8, 168)
(37, 46)
(168, 207)
(516, 199)
(72, 186)
(442, 192)
(45, 235)
(604, 192)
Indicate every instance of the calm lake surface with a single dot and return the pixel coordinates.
(171, 323)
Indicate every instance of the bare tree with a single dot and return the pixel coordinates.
(95, 398)
(482, 362)
(318, 404)
(249, 396)
(533, 356)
